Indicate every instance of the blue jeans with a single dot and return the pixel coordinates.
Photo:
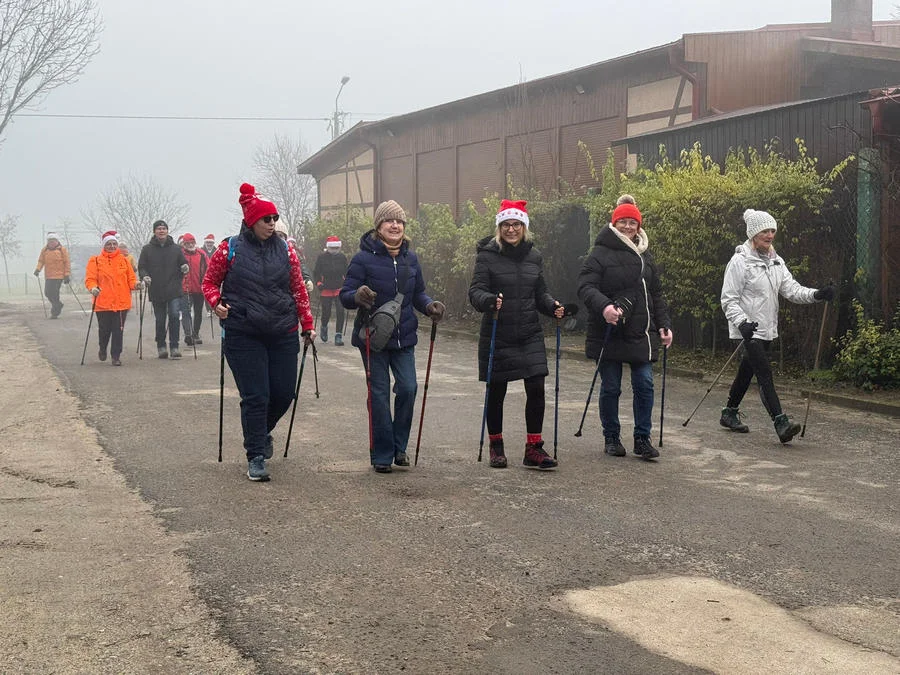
(172, 310)
(390, 437)
(611, 388)
(265, 372)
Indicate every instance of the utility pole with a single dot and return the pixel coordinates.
(336, 124)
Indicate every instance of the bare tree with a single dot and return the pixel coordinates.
(277, 179)
(131, 206)
(10, 246)
(896, 12)
(68, 232)
(44, 44)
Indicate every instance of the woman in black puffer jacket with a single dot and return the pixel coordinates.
(509, 281)
(619, 284)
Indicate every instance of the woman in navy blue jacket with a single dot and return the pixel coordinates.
(384, 267)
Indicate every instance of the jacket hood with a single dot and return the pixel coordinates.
(749, 253)
(372, 244)
(612, 238)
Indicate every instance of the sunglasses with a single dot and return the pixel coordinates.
(270, 219)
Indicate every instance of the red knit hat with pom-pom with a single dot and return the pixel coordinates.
(626, 208)
(254, 206)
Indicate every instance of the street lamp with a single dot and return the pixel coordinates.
(336, 127)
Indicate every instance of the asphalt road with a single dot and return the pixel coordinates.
(606, 565)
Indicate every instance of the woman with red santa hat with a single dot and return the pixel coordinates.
(110, 278)
(509, 283)
(255, 286)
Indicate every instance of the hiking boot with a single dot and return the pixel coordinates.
(162, 353)
(401, 459)
(731, 419)
(498, 457)
(189, 341)
(613, 446)
(324, 334)
(256, 469)
(270, 448)
(197, 340)
(116, 361)
(537, 458)
(101, 354)
(338, 340)
(643, 449)
(383, 468)
(785, 429)
(175, 353)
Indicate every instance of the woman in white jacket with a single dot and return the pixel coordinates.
(754, 279)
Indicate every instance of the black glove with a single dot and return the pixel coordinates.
(37, 273)
(364, 297)
(436, 310)
(66, 280)
(825, 293)
(747, 328)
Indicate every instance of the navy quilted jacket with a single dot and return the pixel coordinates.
(374, 267)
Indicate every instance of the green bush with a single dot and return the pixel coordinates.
(869, 355)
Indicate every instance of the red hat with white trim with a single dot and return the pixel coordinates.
(109, 235)
(333, 242)
(209, 237)
(512, 210)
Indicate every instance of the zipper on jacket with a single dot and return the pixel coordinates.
(396, 291)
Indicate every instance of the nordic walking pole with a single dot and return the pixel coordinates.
(193, 341)
(425, 393)
(296, 395)
(662, 398)
(587, 403)
(143, 301)
(41, 291)
(487, 381)
(316, 368)
(87, 337)
(556, 392)
(221, 388)
(77, 299)
(815, 365)
(369, 391)
(733, 354)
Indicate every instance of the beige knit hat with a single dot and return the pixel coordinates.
(389, 210)
(757, 221)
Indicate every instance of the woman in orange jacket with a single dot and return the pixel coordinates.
(110, 279)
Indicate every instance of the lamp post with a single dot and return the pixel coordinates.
(336, 126)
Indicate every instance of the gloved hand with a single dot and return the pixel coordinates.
(666, 336)
(612, 313)
(436, 310)
(364, 297)
(825, 293)
(747, 328)
(95, 291)
(309, 287)
(66, 280)
(37, 273)
(147, 281)
(185, 268)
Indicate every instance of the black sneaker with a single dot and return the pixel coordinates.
(383, 468)
(197, 340)
(162, 352)
(256, 469)
(401, 459)
(613, 447)
(785, 429)
(189, 341)
(175, 353)
(101, 355)
(643, 449)
(338, 340)
(731, 419)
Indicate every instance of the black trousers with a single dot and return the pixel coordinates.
(110, 327)
(338, 313)
(51, 290)
(192, 301)
(755, 361)
(534, 405)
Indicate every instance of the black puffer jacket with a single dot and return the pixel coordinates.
(517, 272)
(162, 261)
(614, 270)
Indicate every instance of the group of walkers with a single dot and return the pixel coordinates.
(258, 288)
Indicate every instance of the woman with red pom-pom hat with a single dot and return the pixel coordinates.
(255, 286)
(509, 283)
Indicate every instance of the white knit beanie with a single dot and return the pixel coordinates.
(757, 221)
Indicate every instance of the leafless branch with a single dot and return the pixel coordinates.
(275, 166)
(10, 246)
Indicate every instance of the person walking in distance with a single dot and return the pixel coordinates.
(209, 246)
(508, 283)
(162, 266)
(191, 285)
(754, 279)
(123, 249)
(331, 268)
(384, 270)
(54, 260)
(256, 289)
(110, 278)
(628, 318)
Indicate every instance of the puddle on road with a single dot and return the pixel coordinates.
(711, 625)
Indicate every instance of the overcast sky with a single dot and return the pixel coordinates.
(283, 58)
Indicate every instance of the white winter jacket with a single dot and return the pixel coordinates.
(751, 288)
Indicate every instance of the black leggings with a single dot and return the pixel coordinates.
(326, 313)
(755, 361)
(110, 326)
(534, 405)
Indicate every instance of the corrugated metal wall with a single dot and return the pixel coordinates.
(574, 166)
(435, 177)
(395, 182)
(480, 171)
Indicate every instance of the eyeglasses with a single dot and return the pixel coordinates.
(511, 225)
(270, 219)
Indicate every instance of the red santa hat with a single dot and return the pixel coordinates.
(209, 237)
(188, 237)
(512, 210)
(254, 206)
(109, 235)
(333, 242)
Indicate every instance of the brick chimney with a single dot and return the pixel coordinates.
(852, 20)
